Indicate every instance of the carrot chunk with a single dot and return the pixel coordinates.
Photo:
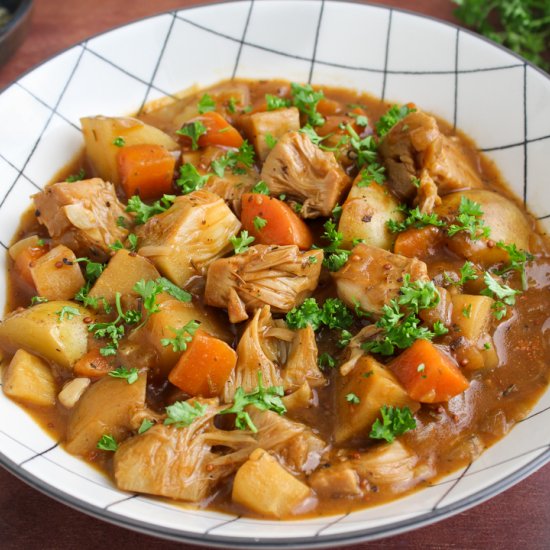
(417, 243)
(93, 365)
(204, 367)
(428, 374)
(271, 221)
(218, 132)
(146, 170)
(25, 259)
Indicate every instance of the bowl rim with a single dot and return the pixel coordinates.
(21, 12)
(225, 541)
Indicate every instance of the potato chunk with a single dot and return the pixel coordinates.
(472, 315)
(38, 330)
(29, 379)
(265, 487)
(107, 407)
(365, 214)
(57, 275)
(192, 233)
(121, 274)
(375, 386)
(100, 132)
(257, 126)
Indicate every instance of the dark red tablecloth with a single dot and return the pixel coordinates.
(516, 519)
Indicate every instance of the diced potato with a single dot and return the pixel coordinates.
(265, 487)
(336, 482)
(471, 314)
(16, 248)
(477, 356)
(72, 391)
(299, 399)
(107, 407)
(191, 234)
(257, 126)
(489, 352)
(100, 132)
(375, 386)
(124, 270)
(57, 275)
(39, 331)
(365, 213)
(29, 379)
(176, 314)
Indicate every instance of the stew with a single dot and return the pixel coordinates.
(277, 300)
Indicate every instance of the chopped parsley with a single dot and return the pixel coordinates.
(275, 102)
(146, 424)
(468, 272)
(149, 290)
(232, 105)
(240, 243)
(265, 399)
(363, 149)
(467, 311)
(130, 376)
(372, 172)
(261, 188)
(334, 314)
(184, 335)
(518, 259)
(416, 219)
(193, 130)
(144, 211)
(121, 222)
(206, 104)
(326, 361)
(235, 160)
(67, 312)
(190, 179)
(132, 243)
(119, 141)
(259, 223)
(395, 421)
(417, 295)
(388, 120)
(353, 399)
(334, 256)
(107, 443)
(38, 300)
(305, 98)
(270, 141)
(80, 175)
(181, 414)
(470, 220)
(502, 294)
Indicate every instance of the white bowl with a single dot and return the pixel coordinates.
(497, 98)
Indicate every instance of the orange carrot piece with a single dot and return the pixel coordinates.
(24, 260)
(204, 367)
(218, 132)
(146, 170)
(283, 224)
(428, 374)
(93, 365)
(417, 243)
(328, 107)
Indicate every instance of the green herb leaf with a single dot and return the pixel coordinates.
(363, 149)
(235, 160)
(130, 376)
(305, 98)
(418, 295)
(38, 300)
(391, 118)
(184, 335)
(240, 243)
(67, 312)
(395, 421)
(261, 188)
(518, 259)
(206, 104)
(503, 294)
(182, 414)
(144, 211)
(326, 361)
(193, 130)
(259, 223)
(275, 102)
(119, 141)
(146, 424)
(333, 314)
(80, 175)
(415, 218)
(372, 172)
(190, 179)
(270, 141)
(107, 443)
(353, 399)
(470, 220)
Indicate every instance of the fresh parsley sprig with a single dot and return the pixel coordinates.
(305, 98)
(414, 218)
(502, 294)
(182, 414)
(468, 272)
(395, 421)
(240, 243)
(193, 130)
(518, 259)
(183, 336)
(334, 256)
(145, 211)
(130, 376)
(394, 114)
(333, 314)
(469, 220)
(275, 102)
(206, 104)
(237, 160)
(190, 179)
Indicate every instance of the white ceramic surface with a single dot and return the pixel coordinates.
(498, 99)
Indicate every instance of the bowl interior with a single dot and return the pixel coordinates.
(494, 96)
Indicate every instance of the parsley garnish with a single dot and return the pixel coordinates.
(206, 104)
(80, 175)
(305, 98)
(240, 243)
(261, 188)
(107, 443)
(181, 414)
(265, 399)
(518, 259)
(145, 211)
(232, 105)
(372, 172)
(395, 421)
(149, 290)
(130, 376)
(391, 118)
(67, 312)
(275, 102)
(193, 130)
(469, 220)
(468, 272)
(503, 294)
(364, 149)
(121, 222)
(184, 335)
(119, 141)
(270, 141)
(132, 243)
(38, 300)
(326, 361)
(146, 424)
(360, 120)
(260, 223)
(415, 219)
(353, 399)
(235, 160)
(334, 256)
(190, 180)
(418, 295)
(333, 314)
(467, 311)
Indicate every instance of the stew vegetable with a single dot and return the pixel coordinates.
(277, 300)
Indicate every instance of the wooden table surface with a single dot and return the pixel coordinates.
(519, 518)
